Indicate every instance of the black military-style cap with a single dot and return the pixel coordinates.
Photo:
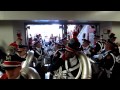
(36, 42)
(73, 45)
(103, 40)
(96, 36)
(12, 61)
(114, 37)
(111, 35)
(85, 40)
(22, 46)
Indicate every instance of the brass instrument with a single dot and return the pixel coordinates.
(86, 67)
(27, 71)
(29, 59)
(30, 73)
(85, 70)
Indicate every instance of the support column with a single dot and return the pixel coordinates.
(65, 30)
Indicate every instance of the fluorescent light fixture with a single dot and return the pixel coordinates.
(45, 20)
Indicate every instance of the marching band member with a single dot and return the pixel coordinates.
(39, 54)
(108, 61)
(12, 67)
(19, 39)
(112, 37)
(98, 45)
(22, 52)
(38, 50)
(86, 47)
(69, 56)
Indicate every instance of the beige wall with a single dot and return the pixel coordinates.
(103, 27)
(116, 30)
(8, 31)
(6, 34)
(113, 26)
(61, 15)
(18, 26)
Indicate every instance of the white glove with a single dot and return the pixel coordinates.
(88, 52)
(98, 56)
(95, 56)
(50, 53)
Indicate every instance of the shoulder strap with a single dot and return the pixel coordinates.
(39, 53)
(100, 45)
(114, 61)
